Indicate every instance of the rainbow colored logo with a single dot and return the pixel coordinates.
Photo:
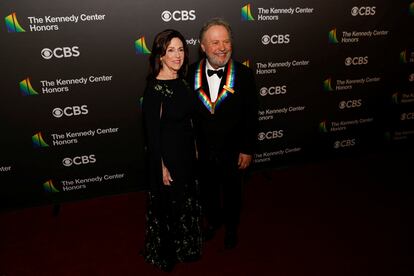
(12, 24)
(246, 63)
(327, 85)
(322, 127)
(246, 13)
(38, 141)
(332, 37)
(403, 56)
(26, 88)
(411, 9)
(49, 187)
(141, 47)
(395, 98)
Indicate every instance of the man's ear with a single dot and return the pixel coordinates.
(202, 47)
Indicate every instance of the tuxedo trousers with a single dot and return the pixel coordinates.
(220, 188)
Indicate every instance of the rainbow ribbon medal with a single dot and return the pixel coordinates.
(227, 87)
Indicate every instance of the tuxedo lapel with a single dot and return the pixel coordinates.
(201, 86)
(226, 88)
(205, 81)
(223, 79)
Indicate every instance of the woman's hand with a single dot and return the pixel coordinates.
(166, 177)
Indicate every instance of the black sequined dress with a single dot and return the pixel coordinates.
(173, 232)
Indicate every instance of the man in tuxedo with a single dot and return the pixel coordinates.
(225, 126)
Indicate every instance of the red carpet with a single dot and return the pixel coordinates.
(339, 217)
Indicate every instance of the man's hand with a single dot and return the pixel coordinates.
(244, 160)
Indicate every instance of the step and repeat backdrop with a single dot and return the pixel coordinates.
(333, 79)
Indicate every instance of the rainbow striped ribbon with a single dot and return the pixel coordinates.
(227, 87)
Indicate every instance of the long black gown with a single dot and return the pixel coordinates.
(173, 230)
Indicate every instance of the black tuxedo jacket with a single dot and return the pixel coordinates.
(228, 125)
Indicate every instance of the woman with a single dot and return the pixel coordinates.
(173, 231)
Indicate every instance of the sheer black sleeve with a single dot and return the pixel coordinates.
(152, 124)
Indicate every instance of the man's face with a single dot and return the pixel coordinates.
(216, 43)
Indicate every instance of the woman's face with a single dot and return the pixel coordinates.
(174, 56)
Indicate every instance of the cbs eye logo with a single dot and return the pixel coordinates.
(60, 52)
(344, 143)
(270, 135)
(79, 160)
(70, 111)
(363, 11)
(407, 116)
(356, 61)
(273, 90)
(182, 15)
(276, 39)
(350, 104)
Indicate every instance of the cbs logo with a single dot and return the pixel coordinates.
(270, 135)
(70, 111)
(350, 104)
(79, 160)
(363, 11)
(344, 143)
(60, 52)
(356, 61)
(273, 90)
(182, 15)
(407, 116)
(276, 39)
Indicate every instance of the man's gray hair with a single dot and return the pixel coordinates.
(215, 22)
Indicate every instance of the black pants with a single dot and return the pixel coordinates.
(221, 189)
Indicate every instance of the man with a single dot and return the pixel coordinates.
(225, 124)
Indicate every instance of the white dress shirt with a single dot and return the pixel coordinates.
(213, 82)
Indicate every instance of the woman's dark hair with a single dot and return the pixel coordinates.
(159, 47)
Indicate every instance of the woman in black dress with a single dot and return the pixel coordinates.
(173, 232)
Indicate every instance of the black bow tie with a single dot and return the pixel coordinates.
(212, 72)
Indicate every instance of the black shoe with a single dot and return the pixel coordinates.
(209, 232)
(230, 239)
